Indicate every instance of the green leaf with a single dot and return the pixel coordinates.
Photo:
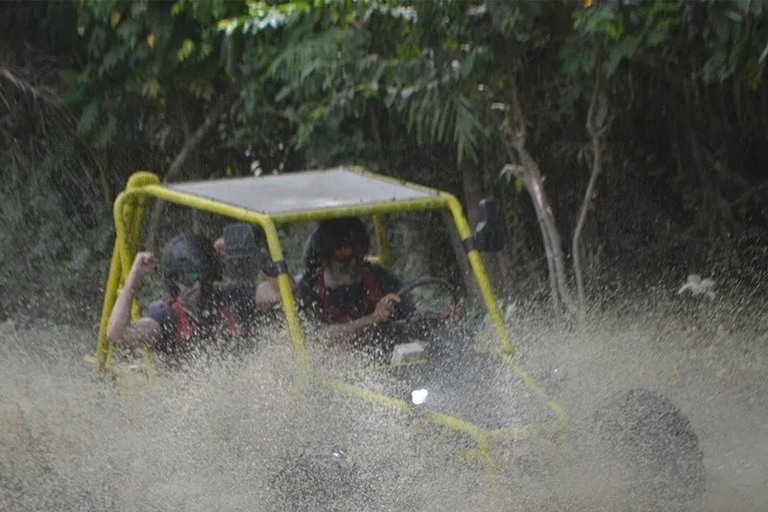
(87, 121)
(187, 47)
(107, 135)
(626, 49)
(575, 58)
(112, 58)
(444, 119)
(317, 113)
(467, 131)
(71, 78)
(150, 88)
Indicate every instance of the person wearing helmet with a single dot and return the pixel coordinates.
(195, 309)
(244, 255)
(339, 289)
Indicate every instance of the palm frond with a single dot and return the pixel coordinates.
(440, 116)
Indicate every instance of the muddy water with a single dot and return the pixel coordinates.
(213, 438)
(712, 362)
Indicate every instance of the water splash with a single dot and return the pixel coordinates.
(214, 438)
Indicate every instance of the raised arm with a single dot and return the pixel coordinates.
(121, 329)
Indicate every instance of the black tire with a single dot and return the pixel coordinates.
(323, 482)
(651, 446)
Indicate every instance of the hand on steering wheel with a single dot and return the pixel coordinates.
(417, 324)
(453, 311)
(386, 308)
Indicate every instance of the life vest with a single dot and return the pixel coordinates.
(373, 294)
(184, 327)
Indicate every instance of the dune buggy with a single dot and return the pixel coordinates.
(444, 384)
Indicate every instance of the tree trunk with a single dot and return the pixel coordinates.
(534, 184)
(376, 131)
(528, 171)
(597, 124)
(576, 248)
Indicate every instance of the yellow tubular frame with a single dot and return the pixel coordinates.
(382, 242)
(129, 210)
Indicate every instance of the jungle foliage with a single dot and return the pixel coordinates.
(638, 127)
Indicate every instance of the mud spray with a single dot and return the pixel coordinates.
(233, 435)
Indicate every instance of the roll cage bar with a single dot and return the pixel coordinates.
(370, 195)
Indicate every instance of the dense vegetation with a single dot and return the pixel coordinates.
(647, 119)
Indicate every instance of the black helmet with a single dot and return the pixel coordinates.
(334, 234)
(189, 252)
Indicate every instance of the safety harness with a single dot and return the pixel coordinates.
(373, 294)
(185, 328)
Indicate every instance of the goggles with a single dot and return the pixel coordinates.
(190, 277)
(346, 254)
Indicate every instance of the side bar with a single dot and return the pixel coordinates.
(382, 240)
(126, 214)
(486, 290)
(103, 346)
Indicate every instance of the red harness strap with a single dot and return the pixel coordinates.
(373, 294)
(184, 328)
(231, 327)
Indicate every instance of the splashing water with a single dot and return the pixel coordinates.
(213, 438)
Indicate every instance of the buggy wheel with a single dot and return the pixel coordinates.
(650, 446)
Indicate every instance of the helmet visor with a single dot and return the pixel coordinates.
(345, 254)
(190, 277)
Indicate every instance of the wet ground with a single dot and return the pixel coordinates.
(206, 441)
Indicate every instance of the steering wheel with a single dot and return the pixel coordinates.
(427, 281)
(420, 322)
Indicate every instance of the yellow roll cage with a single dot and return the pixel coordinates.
(130, 206)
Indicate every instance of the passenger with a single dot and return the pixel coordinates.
(340, 290)
(244, 256)
(195, 311)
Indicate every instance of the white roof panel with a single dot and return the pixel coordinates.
(304, 190)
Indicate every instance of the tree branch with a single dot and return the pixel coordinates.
(596, 126)
(383, 166)
(224, 103)
(755, 192)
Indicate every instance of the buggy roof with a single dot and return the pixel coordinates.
(308, 190)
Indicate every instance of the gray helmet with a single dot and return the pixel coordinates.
(189, 253)
(245, 253)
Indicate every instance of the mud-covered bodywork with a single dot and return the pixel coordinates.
(459, 380)
(476, 401)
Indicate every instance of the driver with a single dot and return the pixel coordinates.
(340, 290)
